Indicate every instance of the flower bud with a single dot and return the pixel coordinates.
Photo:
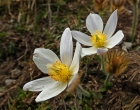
(115, 61)
(100, 5)
(118, 3)
(99, 1)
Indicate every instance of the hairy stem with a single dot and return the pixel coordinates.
(135, 19)
(107, 80)
(102, 64)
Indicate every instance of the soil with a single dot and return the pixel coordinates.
(17, 44)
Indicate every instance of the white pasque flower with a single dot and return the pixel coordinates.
(61, 72)
(99, 39)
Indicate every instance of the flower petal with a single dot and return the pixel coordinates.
(111, 24)
(101, 51)
(51, 92)
(94, 22)
(66, 47)
(75, 62)
(81, 37)
(88, 51)
(39, 84)
(42, 57)
(114, 40)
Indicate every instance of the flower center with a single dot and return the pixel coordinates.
(59, 72)
(98, 39)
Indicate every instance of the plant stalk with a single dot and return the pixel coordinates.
(102, 64)
(134, 26)
(107, 80)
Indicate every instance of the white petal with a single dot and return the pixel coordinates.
(114, 40)
(51, 92)
(101, 51)
(66, 47)
(94, 22)
(111, 24)
(39, 84)
(75, 62)
(42, 57)
(81, 37)
(88, 51)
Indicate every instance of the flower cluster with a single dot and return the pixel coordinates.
(64, 71)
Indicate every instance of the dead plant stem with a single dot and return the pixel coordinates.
(49, 13)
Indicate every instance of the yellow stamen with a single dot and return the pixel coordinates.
(98, 39)
(59, 71)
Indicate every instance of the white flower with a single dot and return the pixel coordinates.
(61, 72)
(99, 39)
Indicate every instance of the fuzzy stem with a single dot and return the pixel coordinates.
(107, 80)
(84, 92)
(134, 26)
(102, 64)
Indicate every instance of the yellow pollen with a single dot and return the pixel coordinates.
(98, 39)
(59, 72)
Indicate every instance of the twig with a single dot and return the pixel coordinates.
(49, 12)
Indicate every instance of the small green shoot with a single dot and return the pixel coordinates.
(3, 34)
